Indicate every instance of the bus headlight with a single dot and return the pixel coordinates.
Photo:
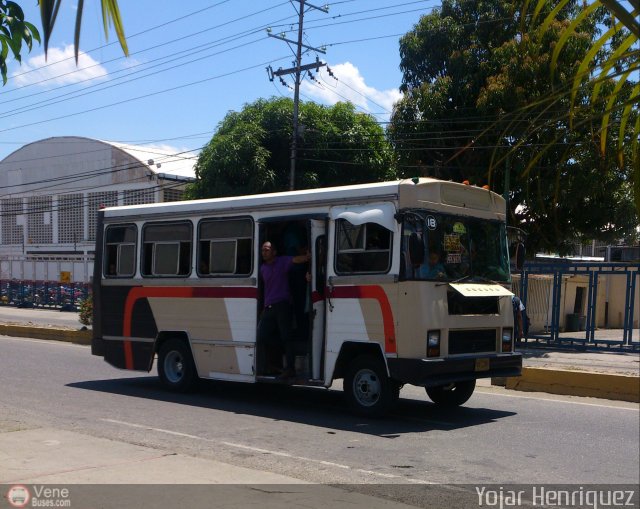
(507, 339)
(433, 343)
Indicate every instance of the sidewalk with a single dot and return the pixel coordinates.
(603, 374)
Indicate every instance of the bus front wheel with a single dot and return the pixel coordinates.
(176, 368)
(369, 391)
(453, 394)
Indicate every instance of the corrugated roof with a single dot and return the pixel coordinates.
(162, 160)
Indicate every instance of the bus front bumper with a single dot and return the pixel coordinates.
(442, 371)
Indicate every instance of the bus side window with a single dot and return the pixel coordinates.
(120, 251)
(362, 249)
(225, 247)
(166, 249)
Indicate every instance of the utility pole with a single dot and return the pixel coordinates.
(297, 72)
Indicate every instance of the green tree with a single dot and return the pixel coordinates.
(608, 77)
(474, 84)
(15, 30)
(250, 151)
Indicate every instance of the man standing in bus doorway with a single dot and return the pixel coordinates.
(274, 327)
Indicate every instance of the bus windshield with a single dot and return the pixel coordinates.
(445, 247)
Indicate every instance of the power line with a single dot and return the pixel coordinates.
(80, 94)
(84, 152)
(128, 142)
(86, 174)
(85, 92)
(366, 11)
(162, 25)
(156, 46)
(180, 39)
(84, 201)
(123, 101)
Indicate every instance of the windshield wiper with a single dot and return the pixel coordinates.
(461, 279)
(474, 278)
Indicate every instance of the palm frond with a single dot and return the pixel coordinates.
(110, 17)
(621, 58)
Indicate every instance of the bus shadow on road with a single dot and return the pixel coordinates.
(303, 405)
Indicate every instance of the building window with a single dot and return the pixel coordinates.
(225, 247)
(96, 202)
(166, 249)
(362, 249)
(138, 196)
(70, 218)
(39, 224)
(172, 194)
(120, 251)
(12, 217)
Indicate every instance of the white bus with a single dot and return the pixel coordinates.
(409, 285)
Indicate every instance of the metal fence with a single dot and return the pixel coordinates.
(42, 294)
(546, 295)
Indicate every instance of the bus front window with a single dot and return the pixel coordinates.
(456, 247)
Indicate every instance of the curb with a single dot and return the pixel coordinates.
(577, 383)
(82, 337)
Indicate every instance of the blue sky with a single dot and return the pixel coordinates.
(187, 69)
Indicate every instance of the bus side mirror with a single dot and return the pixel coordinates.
(416, 250)
(519, 255)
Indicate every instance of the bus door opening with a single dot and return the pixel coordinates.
(286, 238)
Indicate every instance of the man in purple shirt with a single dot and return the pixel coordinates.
(274, 328)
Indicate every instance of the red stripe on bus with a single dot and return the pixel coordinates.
(144, 292)
(377, 293)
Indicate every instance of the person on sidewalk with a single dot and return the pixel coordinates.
(274, 327)
(518, 318)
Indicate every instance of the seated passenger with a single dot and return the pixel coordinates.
(433, 269)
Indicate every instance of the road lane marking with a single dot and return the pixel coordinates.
(141, 426)
(267, 451)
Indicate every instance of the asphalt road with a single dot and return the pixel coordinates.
(497, 437)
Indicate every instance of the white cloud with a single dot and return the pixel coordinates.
(58, 69)
(350, 86)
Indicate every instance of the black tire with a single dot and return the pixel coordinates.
(368, 389)
(176, 368)
(453, 394)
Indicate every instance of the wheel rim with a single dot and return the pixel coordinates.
(174, 366)
(366, 387)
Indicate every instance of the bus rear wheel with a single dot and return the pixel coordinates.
(453, 394)
(369, 391)
(176, 368)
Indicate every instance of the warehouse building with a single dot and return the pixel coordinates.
(51, 191)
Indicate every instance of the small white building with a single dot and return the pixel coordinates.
(52, 189)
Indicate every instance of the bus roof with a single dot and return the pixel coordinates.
(423, 190)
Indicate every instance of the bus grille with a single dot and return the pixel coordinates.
(472, 341)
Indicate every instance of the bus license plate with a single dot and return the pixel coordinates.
(482, 364)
